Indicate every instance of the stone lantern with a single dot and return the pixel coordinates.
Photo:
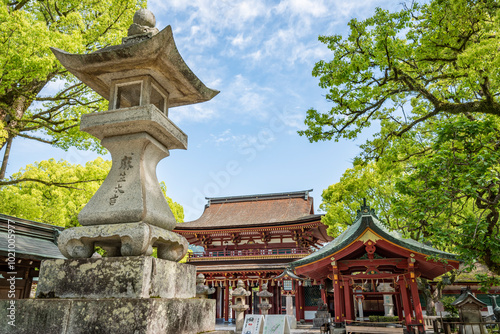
(264, 296)
(240, 304)
(202, 291)
(388, 304)
(128, 290)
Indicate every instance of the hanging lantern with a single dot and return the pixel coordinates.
(446, 279)
(307, 283)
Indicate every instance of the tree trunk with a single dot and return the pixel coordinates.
(3, 169)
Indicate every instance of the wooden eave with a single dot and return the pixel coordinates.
(285, 225)
(318, 231)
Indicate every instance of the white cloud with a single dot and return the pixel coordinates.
(192, 113)
(240, 41)
(226, 137)
(247, 98)
(315, 8)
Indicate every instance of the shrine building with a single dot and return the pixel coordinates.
(23, 245)
(371, 270)
(254, 238)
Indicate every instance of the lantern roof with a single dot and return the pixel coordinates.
(153, 55)
(287, 274)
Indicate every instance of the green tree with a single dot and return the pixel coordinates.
(27, 29)
(176, 208)
(449, 196)
(410, 67)
(426, 76)
(454, 192)
(342, 199)
(60, 192)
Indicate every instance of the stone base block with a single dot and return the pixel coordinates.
(113, 316)
(339, 331)
(318, 322)
(322, 314)
(116, 277)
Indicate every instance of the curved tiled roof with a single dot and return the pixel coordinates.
(368, 219)
(254, 210)
(34, 240)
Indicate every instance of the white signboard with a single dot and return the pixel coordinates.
(439, 307)
(276, 324)
(254, 324)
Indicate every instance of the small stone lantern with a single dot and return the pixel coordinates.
(240, 304)
(264, 296)
(469, 310)
(202, 291)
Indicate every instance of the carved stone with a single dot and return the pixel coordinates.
(202, 291)
(131, 239)
(264, 295)
(240, 304)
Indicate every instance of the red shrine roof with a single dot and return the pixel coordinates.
(254, 210)
(390, 246)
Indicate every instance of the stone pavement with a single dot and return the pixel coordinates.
(301, 329)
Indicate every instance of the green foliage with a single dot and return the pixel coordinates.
(427, 77)
(59, 205)
(380, 318)
(341, 200)
(50, 204)
(488, 282)
(27, 30)
(448, 196)
(455, 190)
(452, 310)
(176, 208)
(410, 67)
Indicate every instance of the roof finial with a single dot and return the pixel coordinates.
(142, 28)
(365, 210)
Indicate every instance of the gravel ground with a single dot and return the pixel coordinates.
(301, 329)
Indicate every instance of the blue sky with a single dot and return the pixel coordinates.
(260, 55)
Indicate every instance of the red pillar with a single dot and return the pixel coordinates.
(297, 308)
(416, 303)
(233, 314)
(406, 302)
(279, 301)
(348, 301)
(298, 302)
(273, 299)
(337, 293)
(217, 302)
(399, 309)
(226, 301)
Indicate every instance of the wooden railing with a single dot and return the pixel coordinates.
(437, 324)
(279, 252)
